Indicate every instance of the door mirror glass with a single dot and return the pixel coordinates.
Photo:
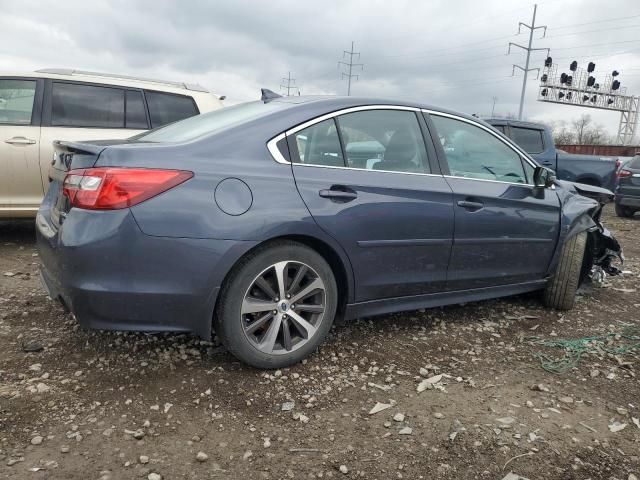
(543, 177)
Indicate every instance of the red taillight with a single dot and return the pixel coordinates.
(111, 188)
(624, 173)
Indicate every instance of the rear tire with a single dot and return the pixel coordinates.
(560, 292)
(624, 212)
(268, 333)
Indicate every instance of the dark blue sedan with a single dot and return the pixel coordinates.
(265, 221)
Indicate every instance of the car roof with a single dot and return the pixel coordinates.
(111, 79)
(332, 102)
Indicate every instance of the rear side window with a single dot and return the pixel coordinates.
(16, 101)
(167, 108)
(75, 105)
(635, 163)
(389, 140)
(319, 144)
(135, 116)
(529, 139)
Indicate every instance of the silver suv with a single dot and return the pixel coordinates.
(56, 104)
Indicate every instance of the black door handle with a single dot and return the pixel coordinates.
(469, 205)
(344, 195)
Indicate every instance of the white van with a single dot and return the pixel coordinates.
(57, 104)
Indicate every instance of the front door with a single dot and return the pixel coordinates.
(506, 229)
(21, 186)
(371, 182)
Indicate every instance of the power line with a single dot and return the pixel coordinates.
(423, 53)
(448, 28)
(597, 45)
(596, 22)
(617, 27)
(290, 84)
(528, 49)
(350, 65)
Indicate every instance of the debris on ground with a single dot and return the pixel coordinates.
(77, 403)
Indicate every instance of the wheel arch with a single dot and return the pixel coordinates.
(332, 253)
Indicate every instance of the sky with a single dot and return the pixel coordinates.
(449, 53)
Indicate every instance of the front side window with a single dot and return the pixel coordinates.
(529, 139)
(16, 101)
(319, 144)
(166, 108)
(472, 152)
(389, 140)
(75, 105)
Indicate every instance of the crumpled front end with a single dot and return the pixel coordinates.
(603, 250)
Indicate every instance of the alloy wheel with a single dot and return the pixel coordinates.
(283, 307)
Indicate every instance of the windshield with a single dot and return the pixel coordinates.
(210, 122)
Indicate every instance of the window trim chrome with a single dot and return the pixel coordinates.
(366, 170)
(272, 146)
(507, 141)
(277, 156)
(275, 153)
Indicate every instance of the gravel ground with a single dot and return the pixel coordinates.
(449, 393)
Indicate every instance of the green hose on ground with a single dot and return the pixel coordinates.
(625, 341)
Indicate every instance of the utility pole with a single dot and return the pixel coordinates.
(528, 49)
(493, 107)
(350, 66)
(290, 84)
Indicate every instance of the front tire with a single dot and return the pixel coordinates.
(277, 306)
(624, 212)
(560, 292)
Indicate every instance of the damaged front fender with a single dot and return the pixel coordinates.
(581, 211)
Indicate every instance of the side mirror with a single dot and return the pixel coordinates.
(543, 177)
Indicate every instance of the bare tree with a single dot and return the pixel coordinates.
(583, 132)
(580, 127)
(560, 133)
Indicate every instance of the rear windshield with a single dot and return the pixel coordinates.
(207, 123)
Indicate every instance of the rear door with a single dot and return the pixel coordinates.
(21, 185)
(76, 111)
(506, 229)
(372, 183)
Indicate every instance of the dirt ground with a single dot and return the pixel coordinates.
(105, 405)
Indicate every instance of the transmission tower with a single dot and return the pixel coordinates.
(289, 84)
(528, 49)
(349, 74)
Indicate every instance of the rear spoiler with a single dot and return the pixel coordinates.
(68, 155)
(79, 147)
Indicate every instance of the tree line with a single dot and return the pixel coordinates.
(579, 131)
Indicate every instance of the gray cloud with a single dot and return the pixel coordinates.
(448, 53)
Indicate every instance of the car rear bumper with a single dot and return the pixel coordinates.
(112, 276)
(628, 200)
